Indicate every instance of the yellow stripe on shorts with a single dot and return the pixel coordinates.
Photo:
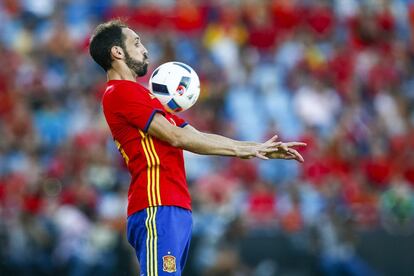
(151, 242)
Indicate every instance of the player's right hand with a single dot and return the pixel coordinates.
(259, 150)
(287, 151)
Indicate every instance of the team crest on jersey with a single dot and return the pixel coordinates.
(168, 264)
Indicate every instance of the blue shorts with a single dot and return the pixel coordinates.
(161, 238)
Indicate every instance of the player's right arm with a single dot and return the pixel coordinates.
(188, 138)
(138, 110)
(283, 150)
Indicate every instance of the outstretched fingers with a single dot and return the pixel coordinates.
(275, 146)
(297, 156)
(286, 150)
(293, 153)
(269, 146)
(261, 156)
(295, 144)
(271, 140)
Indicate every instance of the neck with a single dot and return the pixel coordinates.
(121, 72)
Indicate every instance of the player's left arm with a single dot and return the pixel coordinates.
(282, 150)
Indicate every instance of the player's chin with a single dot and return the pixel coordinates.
(143, 70)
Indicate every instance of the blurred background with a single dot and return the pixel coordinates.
(337, 74)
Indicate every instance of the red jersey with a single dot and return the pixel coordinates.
(156, 167)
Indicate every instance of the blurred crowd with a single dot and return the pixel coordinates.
(336, 74)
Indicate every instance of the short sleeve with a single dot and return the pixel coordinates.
(179, 121)
(138, 109)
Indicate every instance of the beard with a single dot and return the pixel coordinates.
(138, 67)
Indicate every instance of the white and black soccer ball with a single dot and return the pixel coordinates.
(176, 85)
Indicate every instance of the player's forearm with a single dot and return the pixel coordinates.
(188, 138)
(223, 139)
(211, 144)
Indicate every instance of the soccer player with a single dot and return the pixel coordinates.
(151, 140)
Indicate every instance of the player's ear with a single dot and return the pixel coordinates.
(117, 52)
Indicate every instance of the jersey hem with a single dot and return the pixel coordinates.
(130, 213)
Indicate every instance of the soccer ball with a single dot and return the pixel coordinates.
(176, 85)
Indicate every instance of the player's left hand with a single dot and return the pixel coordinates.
(287, 151)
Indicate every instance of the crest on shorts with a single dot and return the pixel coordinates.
(168, 263)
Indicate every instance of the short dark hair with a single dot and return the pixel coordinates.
(105, 36)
